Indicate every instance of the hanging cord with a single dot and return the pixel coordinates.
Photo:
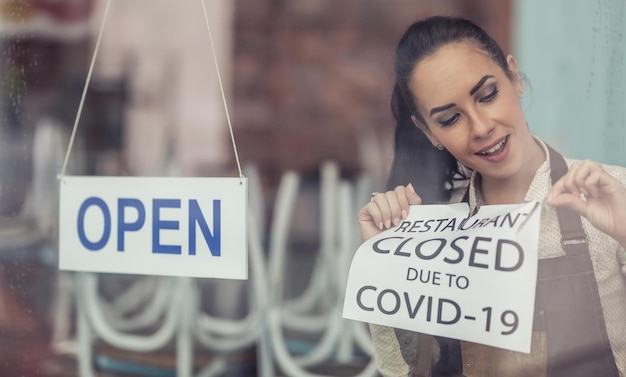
(219, 78)
(88, 80)
(82, 98)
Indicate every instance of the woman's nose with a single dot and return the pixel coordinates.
(481, 126)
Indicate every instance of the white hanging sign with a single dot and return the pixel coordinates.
(192, 227)
(442, 273)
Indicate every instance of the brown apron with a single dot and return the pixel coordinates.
(569, 335)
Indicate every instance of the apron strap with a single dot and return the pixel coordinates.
(573, 237)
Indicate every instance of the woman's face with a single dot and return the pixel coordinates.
(473, 109)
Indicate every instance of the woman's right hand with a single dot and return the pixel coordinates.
(386, 210)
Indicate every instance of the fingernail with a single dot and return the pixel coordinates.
(404, 214)
(411, 188)
(380, 226)
(396, 221)
(388, 224)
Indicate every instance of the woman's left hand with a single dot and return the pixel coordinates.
(594, 194)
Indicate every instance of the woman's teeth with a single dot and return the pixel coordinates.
(495, 148)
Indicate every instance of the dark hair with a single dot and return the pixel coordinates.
(430, 170)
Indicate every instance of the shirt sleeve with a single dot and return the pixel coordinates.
(620, 174)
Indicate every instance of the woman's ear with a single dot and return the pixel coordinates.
(424, 128)
(517, 80)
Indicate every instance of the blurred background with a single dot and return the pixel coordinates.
(308, 84)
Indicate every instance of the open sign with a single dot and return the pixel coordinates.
(158, 226)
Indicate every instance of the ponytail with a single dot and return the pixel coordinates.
(416, 161)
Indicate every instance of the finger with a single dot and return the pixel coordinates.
(566, 199)
(371, 213)
(593, 183)
(403, 201)
(581, 181)
(369, 221)
(586, 179)
(412, 196)
(582, 175)
(394, 199)
(382, 204)
(407, 197)
(393, 205)
(599, 182)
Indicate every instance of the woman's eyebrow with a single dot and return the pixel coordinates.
(474, 89)
(441, 108)
(479, 84)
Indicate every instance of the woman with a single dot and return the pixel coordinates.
(461, 136)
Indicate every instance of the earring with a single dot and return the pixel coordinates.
(439, 146)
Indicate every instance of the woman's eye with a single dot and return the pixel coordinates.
(449, 121)
(490, 97)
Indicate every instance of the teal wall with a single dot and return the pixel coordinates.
(572, 53)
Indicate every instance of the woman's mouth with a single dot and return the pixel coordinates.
(494, 149)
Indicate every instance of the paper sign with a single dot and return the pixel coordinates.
(442, 273)
(192, 227)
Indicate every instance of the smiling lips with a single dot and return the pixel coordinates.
(494, 149)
